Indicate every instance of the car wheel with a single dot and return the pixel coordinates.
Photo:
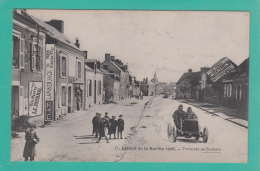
(174, 131)
(169, 130)
(197, 137)
(205, 134)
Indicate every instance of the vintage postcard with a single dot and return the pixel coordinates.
(130, 86)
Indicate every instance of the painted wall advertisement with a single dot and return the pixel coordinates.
(35, 98)
(220, 69)
(49, 82)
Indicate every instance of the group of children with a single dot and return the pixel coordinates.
(106, 125)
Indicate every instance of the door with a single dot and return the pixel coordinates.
(15, 100)
(69, 99)
(95, 92)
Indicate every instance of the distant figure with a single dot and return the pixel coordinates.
(101, 129)
(95, 124)
(31, 139)
(120, 124)
(190, 114)
(178, 117)
(112, 127)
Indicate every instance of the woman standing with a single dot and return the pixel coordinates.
(31, 139)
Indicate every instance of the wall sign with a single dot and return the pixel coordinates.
(35, 98)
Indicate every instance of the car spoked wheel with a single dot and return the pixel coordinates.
(205, 134)
(174, 132)
(169, 132)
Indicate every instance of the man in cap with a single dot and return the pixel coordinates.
(120, 124)
(95, 124)
(101, 129)
(112, 127)
(178, 117)
(31, 139)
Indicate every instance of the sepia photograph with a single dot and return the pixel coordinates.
(130, 86)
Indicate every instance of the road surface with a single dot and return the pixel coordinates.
(145, 136)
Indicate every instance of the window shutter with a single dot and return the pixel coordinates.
(60, 65)
(76, 72)
(21, 56)
(21, 101)
(41, 57)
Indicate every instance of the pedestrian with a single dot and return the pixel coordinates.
(112, 127)
(101, 129)
(178, 117)
(120, 126)
(31, 139)
(95, 124)
(190, 114)
(107, 118)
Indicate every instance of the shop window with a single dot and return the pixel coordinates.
(229, 90)
(90, 87)
(79, 69)
(63, 96)
(239, 92)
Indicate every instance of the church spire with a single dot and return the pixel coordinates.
(155, 77)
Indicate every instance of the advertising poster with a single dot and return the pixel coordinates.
(35, 98)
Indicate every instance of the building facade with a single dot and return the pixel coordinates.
(115, 66)
(68, 72)
(93, 83)
(28, 57)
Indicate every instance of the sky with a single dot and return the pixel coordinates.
(168, 42)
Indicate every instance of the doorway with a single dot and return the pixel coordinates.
(95, 91)
(15, 101)
(69, 99)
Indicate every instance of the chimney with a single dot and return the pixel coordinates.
(98, 65)
(112, 58)
(204, 69)
(77, 42)
(107, 57)
(189, 70)
(58, 24)
(86, 54)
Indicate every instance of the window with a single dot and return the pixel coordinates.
(63, 66)
(36, 55)
(225, 90)
(246, 91)
(17, 52)
(79, 69)
(90, 87)
(229, 90)
(239, 92)
(99, 87)
(105, 67)
(63, 95)
(15, 60)
(95, 68)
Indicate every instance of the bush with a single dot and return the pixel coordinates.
(19, 123)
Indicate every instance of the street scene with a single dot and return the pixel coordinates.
(133, 86)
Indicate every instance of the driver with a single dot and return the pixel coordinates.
(178, 117)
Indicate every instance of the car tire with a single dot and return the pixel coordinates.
(205, 134)
(174, 131)
(197, 137)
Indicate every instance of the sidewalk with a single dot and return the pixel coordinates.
(235, 116)
(70, 139)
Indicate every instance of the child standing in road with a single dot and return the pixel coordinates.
(121, 124)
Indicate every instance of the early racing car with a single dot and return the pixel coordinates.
(190, 128)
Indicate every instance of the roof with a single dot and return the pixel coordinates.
(91, 60)
(54, 33)
(242, 69)
(106, 73)
(116, 66)
(189, 77)
(90, 69)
